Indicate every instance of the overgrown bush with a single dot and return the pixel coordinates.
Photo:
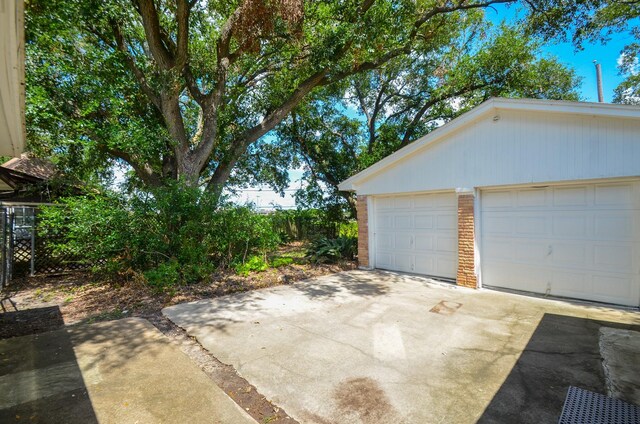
(305, 224)
(173, 235)
(324, 249)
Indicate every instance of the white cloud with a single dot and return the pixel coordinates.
(623, 63)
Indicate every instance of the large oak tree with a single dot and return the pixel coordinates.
(181, 89)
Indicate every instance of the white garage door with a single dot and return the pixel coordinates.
(417, 234)
(580, 241)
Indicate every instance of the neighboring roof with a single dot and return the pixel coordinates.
(490, 106)
(30, 166)
(26, 170)
(12, 99)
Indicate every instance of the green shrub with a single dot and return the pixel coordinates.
(253, 264)
(348, 229)
(304, 224)
(165, 275)
(176, 230)
(324, 250)
(238, 232)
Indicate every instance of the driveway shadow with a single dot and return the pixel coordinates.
(40, 379)
(352, 283)
(29, 321)
(563, 351)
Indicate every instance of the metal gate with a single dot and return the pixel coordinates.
(18, 242)
(24, 252)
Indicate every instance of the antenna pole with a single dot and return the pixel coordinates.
(599, 81)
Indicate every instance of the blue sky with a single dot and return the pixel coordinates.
(582, 61)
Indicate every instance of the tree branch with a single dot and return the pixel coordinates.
(418, 116)
(139, 75)
(144, 171)
(153, 33)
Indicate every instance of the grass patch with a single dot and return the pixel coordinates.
(277, 262)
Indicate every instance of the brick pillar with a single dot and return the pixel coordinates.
(363, 232)
(466, 252)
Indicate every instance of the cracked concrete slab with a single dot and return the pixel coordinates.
(366, 347)
(620, 351)
(121, 371)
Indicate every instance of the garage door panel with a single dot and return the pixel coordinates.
(385, 240)
(402, 222)
(532, 198)
(498, 248)
(403, 262)
(496, 200)
(403, 241)
(385, 203)
(402, 203)
(570, 284)
(434, 201)
(532, 252)
(535, 225)
(384, 260)
(584, 242)
(446, 244)
(613, 257)
(425, 265)
(571, 196)
(614, 227)
(516, 276)
(569, 254)
(447, 222)
(497, 224)
(569, 226)
(424, 243)
(618, 195)
(423, 222)
(422, 237)
(445, 265)
(384, 222)
(613, 286)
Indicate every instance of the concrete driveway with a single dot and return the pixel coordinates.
(381, 347)
(116, 372)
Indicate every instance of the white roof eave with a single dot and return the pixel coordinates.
(12, 96)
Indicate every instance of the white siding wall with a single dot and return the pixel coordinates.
(519, 148)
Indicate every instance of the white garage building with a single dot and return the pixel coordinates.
(532, 195)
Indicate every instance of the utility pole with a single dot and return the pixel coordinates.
(599, 81)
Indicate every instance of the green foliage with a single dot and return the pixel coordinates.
(348, 229)
(407, 98)
(281, 261)
(175, 235)
(324, 250)
(255, 263)
(103, 90)
(305, 224)
(164, 276)
(239, 231)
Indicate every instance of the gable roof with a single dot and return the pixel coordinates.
(486, 108)
(26, 169)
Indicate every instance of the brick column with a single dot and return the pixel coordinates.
(363, 232)
(466, 252)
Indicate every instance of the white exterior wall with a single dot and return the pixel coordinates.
(520, 147)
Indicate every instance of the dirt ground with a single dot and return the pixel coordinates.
(84, 297)
(44, 303)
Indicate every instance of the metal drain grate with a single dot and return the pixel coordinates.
(585, 407)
